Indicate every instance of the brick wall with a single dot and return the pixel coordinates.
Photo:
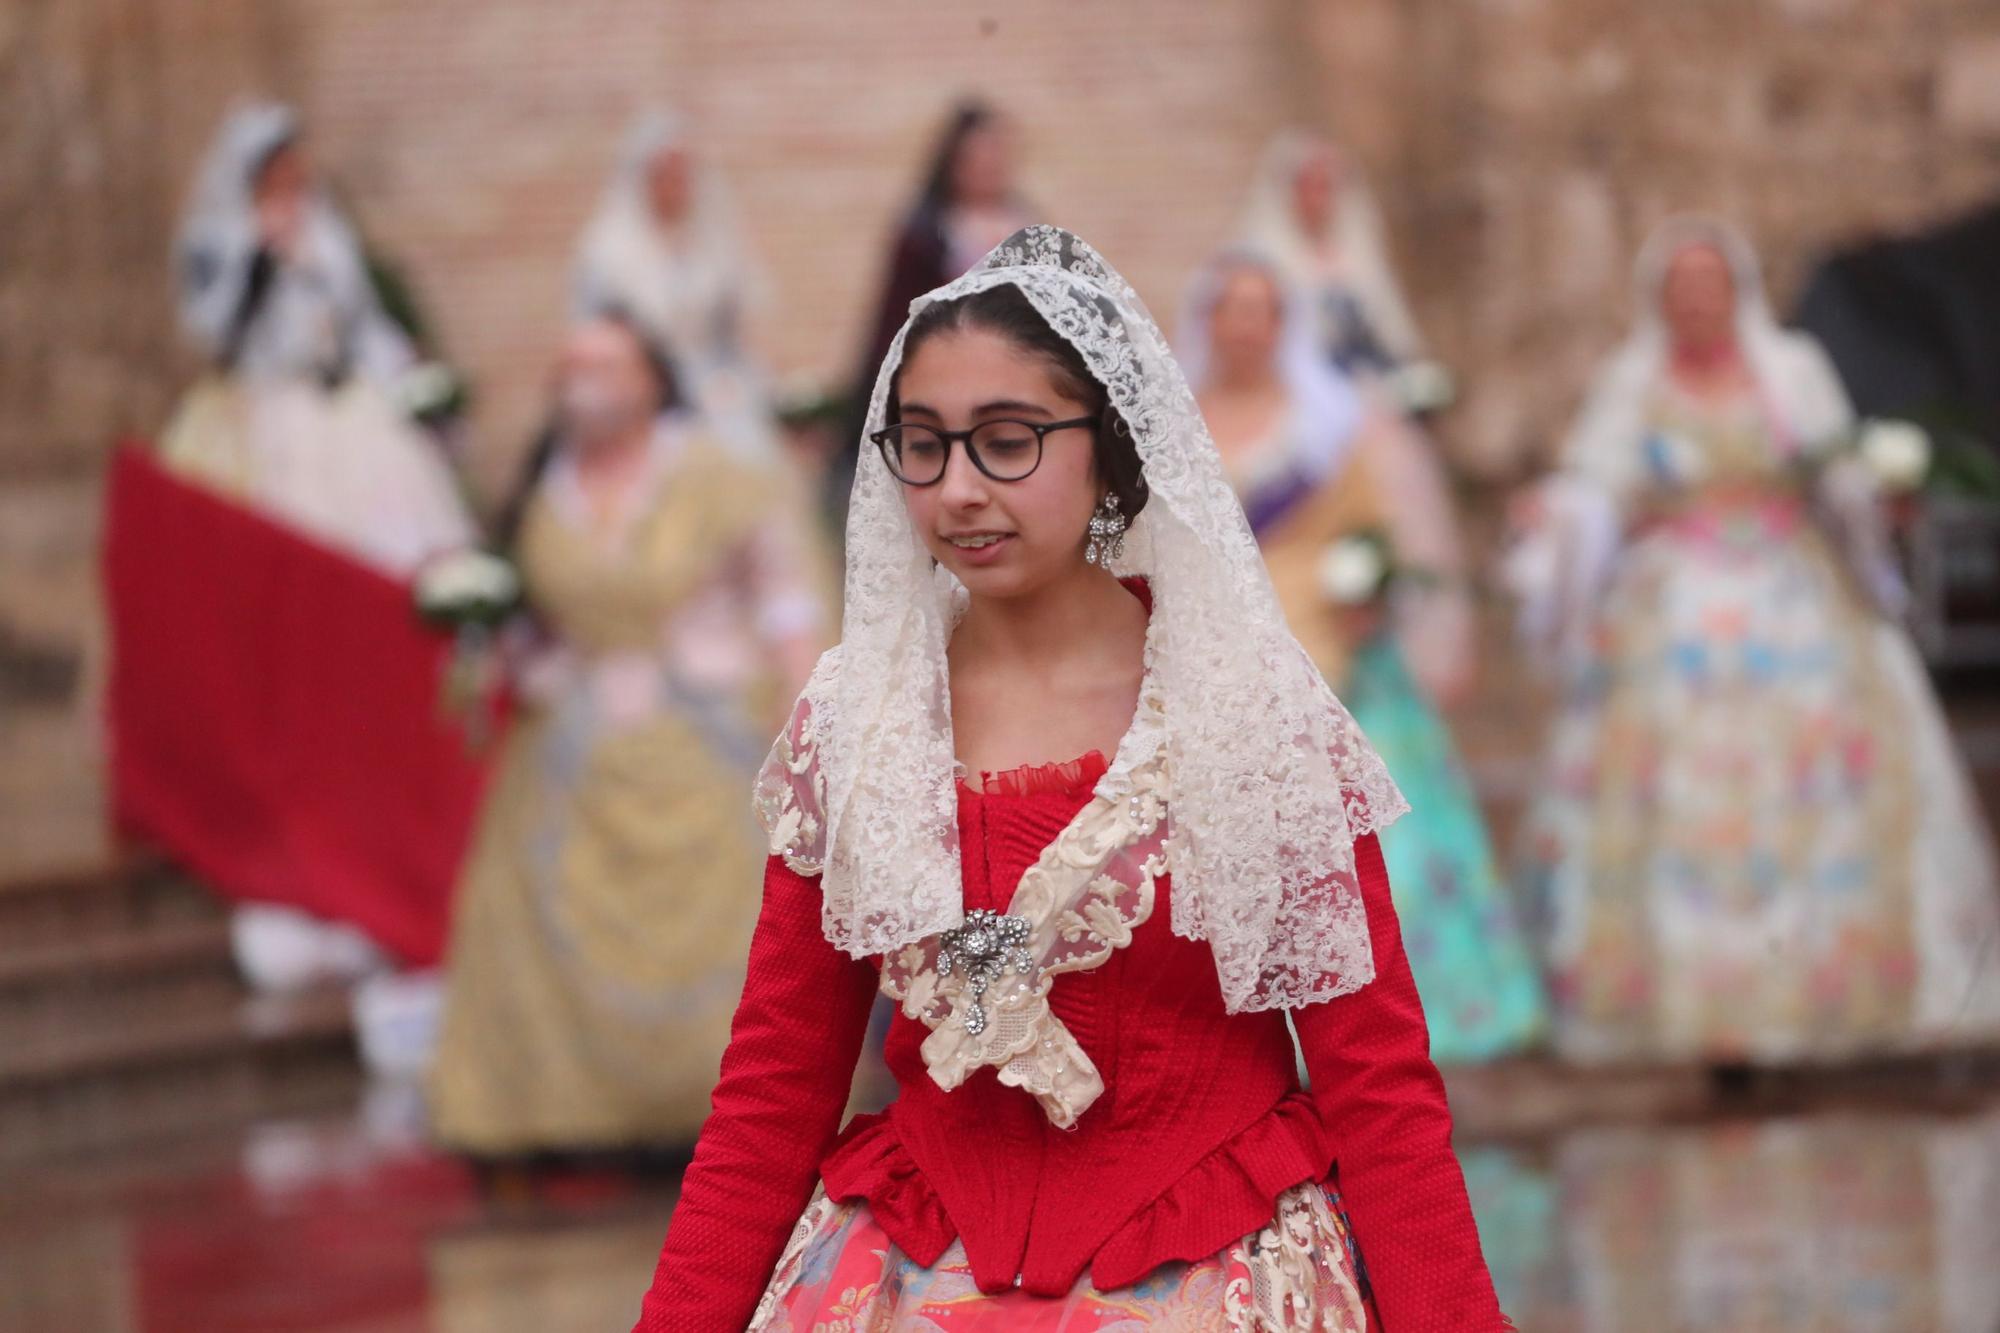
(477, 137)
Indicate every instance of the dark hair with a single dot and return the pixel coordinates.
(1006, 311)
(542, 452)
(967, 119)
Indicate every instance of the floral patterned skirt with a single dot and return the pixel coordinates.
(842, 1274)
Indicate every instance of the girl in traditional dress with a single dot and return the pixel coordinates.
(298, 414)
(666, 250)
(597, 949)
(1330, 475)
(1755, 842)
(1071, 793)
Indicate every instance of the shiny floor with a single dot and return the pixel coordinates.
(1837, 1219)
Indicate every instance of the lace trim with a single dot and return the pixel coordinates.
(1082, 899)
(1302, 1272)
(790, 795)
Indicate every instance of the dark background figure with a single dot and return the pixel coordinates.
(1913, 324)
(967, 204)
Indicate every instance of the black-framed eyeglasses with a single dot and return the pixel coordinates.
(1003, 450)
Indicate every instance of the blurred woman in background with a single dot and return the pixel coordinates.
(1755, 841)
(300, 414)
(602, 920)
(1358, 532)
(666, 249)
(1311, 211)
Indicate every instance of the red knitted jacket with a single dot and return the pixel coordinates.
(1202, 1124)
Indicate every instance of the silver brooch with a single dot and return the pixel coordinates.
(983, 948)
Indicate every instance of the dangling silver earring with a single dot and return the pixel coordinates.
(1107, 532)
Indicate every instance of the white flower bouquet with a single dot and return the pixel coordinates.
(471, 593)
(1421, 387)
(1897, 454)
(431, 392)
(468, 588)
(1356, 569)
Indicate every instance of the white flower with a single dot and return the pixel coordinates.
(425, 388)
(1423, 386)
(1352, 570)
(466, 579)
(1897, 452)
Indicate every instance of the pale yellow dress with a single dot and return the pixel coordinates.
(605, 910)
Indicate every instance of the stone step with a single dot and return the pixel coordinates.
(77, 1016)
(123, 1021)
(92, 956)
(232, 1062)
(87, 902)
(171, 946)
(199, 1020)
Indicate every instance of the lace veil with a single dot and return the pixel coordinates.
(1268, 780)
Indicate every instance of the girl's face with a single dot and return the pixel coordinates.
(1698, 298)
(604, 387)
(669, 184)
(982, 172)
(1314, 189)
(1002, 539)
(1244, 322)
(284, 179)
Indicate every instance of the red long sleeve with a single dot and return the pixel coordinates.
(1381, 1099)
(785, 1080)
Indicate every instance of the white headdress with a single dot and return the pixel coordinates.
(1325, 403)
(1330, 422)
(1798, 382)
(1269, 780)
(322, 309)
(688, 285)
(1354, 233)
(1603, 460)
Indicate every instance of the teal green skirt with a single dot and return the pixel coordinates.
(1481, 989)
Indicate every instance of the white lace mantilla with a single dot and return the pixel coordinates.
(1272, 781)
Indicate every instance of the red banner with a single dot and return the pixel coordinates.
(274, 715)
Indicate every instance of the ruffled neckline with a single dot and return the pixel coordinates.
(1077, 777)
